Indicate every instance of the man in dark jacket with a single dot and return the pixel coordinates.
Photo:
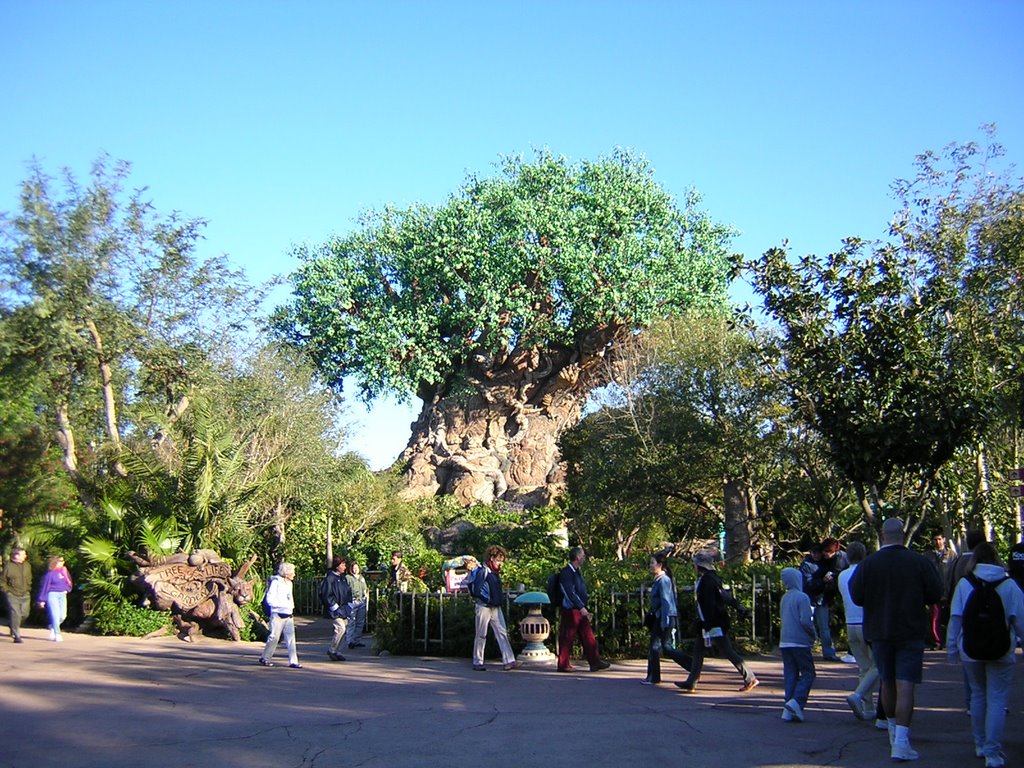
(336, 596)
(575, 617)
(893, 586)
(713, 623)
(820, 585)
(16, 585)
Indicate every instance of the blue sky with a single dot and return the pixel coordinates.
(281, 122)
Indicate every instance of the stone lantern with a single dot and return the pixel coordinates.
(534, 629)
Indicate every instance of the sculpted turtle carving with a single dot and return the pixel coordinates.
(198, 589)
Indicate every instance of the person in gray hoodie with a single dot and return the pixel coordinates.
(795, 642)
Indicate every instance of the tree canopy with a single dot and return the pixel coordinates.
(896, 351)
(542, 255)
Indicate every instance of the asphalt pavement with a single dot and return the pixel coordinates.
(102, 702)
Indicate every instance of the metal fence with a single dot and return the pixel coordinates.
(428, 620)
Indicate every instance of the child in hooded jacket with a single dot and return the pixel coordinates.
(797, 638)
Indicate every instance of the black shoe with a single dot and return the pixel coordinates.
(335, 656)
(356, 645)
(18, 640)
(601, 664)
(686, 685)
(295, 666)
(265, 663)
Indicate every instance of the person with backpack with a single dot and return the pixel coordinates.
(893, 586)
(986, 616)
(281, 605)
(575, 618)
(484, 585)
(661, 621)
(713, 624)
(336, 599)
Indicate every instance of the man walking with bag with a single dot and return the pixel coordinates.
(575, 616)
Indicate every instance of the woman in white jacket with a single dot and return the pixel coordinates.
(282, 606)
(989, 680)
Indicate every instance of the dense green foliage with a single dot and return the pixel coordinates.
(899, 354)
(536, 257)
(118, 617)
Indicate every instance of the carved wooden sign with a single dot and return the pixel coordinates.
(198, 589)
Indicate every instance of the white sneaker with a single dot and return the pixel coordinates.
(787, 716)
(903, 752)
(995, 761)
(53, 635)
(856, 703)
(794, 709)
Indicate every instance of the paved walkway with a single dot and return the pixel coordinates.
(160, 703)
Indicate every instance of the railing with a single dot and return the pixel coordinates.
(441, 622)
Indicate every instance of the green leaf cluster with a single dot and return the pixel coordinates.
(540, 256)
(118, 617)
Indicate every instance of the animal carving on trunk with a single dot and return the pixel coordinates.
(199, 590)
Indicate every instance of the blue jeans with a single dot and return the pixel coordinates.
(57, 610)
(354, 633)
(797, 674)
(663, 642)
(990, 690)
(821, 617)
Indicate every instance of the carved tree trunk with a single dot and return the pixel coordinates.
(498, 439)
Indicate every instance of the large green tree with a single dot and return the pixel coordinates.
(896, 352)
(501, 309)
(688, 437)
(108, 300)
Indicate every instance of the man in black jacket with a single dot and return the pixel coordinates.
(336, 596)
(893, 586)
(713, 624)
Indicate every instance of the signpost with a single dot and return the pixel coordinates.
(1017, 492)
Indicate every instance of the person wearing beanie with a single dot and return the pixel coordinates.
(713, 624)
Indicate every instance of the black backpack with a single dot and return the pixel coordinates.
(986, 636)
(554, 589)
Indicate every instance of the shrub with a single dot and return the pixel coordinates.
(119, 617)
